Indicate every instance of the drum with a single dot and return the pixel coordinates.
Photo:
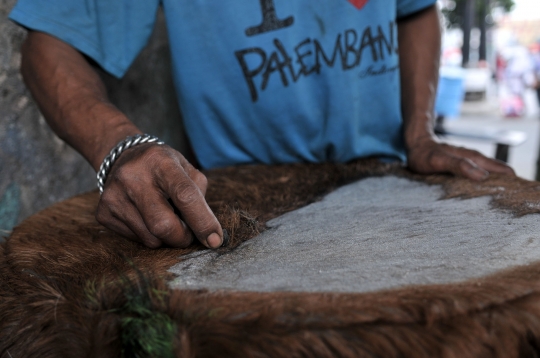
(324, 260)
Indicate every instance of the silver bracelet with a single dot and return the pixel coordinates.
(119, 149)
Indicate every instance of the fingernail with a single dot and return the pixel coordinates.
(478, 173)
(214, 241)
(485, 174)
(226, 238)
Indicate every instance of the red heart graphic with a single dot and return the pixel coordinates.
(359, 4)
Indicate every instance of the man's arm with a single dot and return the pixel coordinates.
(419, 48)
(134, 203)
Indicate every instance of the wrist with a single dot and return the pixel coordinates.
(418, 131)
(114, 135)
(117, 151)
(93, 127)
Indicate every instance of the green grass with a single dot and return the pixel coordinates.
(145, 330)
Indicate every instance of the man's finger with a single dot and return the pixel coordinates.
(489, 164)
(460, 166)
(104, 215)
(120, 228)
(198, 178)
(131, 218)
(188, 198)
(162, 222)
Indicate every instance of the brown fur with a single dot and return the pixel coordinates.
(53, 260)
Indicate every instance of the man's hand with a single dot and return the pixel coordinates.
(427, 156)
(135, 201)
(145, 179)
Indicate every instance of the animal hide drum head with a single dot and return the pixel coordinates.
(374, 234)
(363, 259)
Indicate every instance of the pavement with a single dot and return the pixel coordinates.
(485, 114)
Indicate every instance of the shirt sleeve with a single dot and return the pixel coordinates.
(408, 7)
(111, 32)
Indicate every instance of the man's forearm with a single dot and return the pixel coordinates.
(419, 49)
(72, 97)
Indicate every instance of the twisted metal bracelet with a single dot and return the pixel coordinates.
(119, 149)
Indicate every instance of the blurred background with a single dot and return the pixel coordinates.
(487, 100)
(488, 97)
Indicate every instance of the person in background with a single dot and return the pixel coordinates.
(500, 67)
(518, 77)
(535, 55)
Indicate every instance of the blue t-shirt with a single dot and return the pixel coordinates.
(268, 81)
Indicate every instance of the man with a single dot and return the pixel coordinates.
(273, 81)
